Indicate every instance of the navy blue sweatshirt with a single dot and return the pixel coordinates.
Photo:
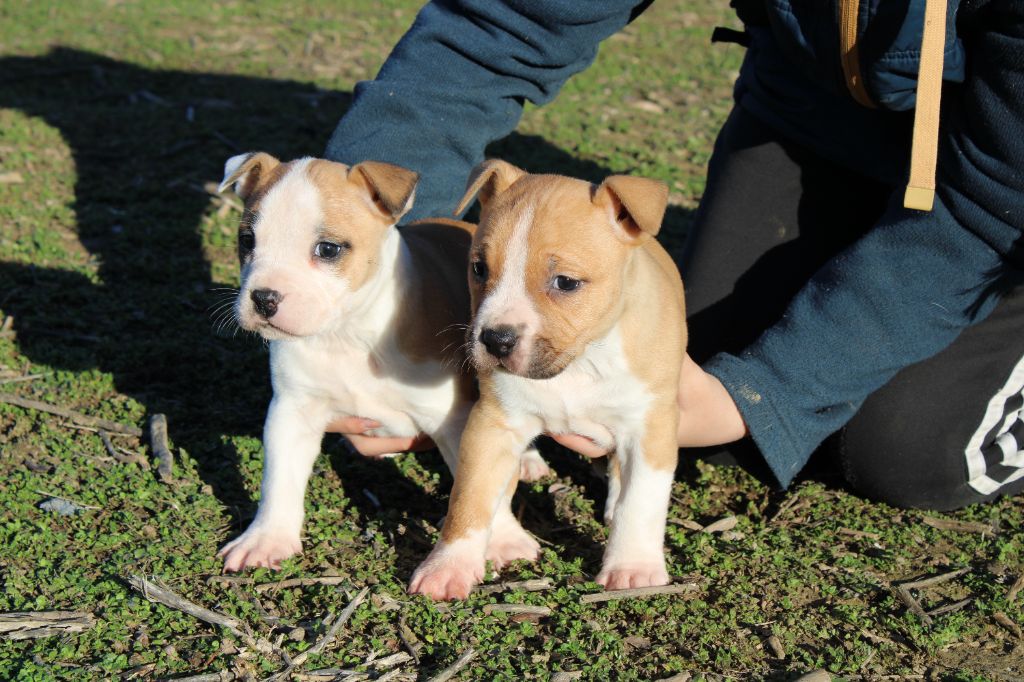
(460, 76)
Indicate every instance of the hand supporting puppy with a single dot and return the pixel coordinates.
(707, 416)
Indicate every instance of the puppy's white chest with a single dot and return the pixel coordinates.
(596, 396)
(346, 380)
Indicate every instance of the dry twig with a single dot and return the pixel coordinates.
(222, 676)
(903, 594)
(934, 580)
(638, 593)
(158, 441)
(318, 648)
(300, 582)
(77, 417)
(533, 585)
(36, 624)
(1015, 588)
(950, 608)
(1005, 621)
(157, 593)
(390, 661)
(408, 637)
(515, 609)
(961, 526)
(450, 672)
(721, 525)
(121, 456)
(162, 595)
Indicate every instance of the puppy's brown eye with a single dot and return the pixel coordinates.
(329, 250)
(563, 283)
(479, 269)
(246, 241)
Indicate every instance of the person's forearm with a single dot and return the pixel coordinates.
(458, 80)
(912, 284)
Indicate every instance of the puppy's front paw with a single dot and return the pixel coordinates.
(532, 466)
(259, 547)
(509, 544)
(448, 573)
(621, 576)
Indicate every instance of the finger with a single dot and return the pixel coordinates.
(351, 425)
(372, 446)
(580, 444)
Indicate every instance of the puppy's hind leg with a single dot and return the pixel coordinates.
(614, 472)
(635, 556)
(532, 466)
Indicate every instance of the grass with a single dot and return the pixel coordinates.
(115, 116)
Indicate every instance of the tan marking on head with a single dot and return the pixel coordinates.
(352, 219)
(487, 180)
(248, 172)
(577, 230)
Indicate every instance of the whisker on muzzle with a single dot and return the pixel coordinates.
(457, 325)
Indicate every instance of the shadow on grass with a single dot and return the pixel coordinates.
(144, 142)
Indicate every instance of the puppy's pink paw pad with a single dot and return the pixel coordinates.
(623, 577)
(255, 548)
(444, 582)
(532, 467)
(511, 546)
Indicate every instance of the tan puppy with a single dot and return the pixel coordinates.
(578, 327)
(363, 320)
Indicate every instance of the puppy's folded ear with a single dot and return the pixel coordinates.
(489, 179)
(246, 171)
(635, 206)
(391, 189)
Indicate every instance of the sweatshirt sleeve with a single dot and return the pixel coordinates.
(458, 80)
(908, 288)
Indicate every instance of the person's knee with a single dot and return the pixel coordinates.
(889, 459)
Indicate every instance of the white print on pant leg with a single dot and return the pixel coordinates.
(635, 556)
(1011, 449)
(291, 438)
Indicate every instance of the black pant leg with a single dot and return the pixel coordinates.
(772, 214)
(947, 431)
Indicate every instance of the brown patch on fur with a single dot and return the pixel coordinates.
(654, 343)
(638, 204)
(488, 179)
(256, 177)
(389, 187)
(431, 321)
(350, 218)
(252, 174)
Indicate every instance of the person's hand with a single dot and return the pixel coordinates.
(355, 428)
(707, 414)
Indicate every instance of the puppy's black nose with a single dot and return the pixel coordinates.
(265, 301)
(499, 341)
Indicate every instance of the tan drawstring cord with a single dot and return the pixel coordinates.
(920, 194)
